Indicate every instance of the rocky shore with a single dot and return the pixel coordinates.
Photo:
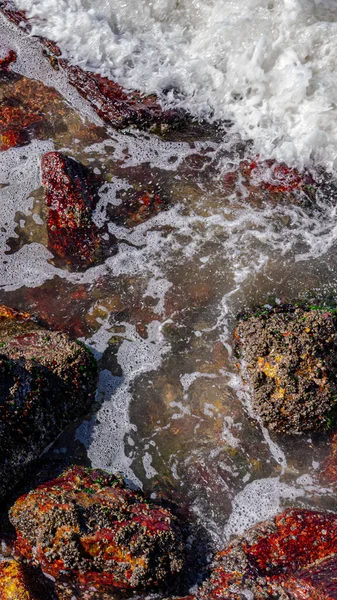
(83, 532)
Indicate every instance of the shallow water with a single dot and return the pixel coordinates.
(159, 314)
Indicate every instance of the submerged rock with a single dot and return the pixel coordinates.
(88, 525)
(269, 181)
(328, 472)
(290, 358)
(137, 207)
(46, 381)
(19, 582)
(71, 194)
(292, 556)
(7, 60)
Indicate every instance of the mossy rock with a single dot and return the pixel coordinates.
(46, 382)
(290, 359)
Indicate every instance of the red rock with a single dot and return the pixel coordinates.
(269, 181)
(112, 103)
(26, 110)
(318, 582)
(71, 194)
(328, 472)
(295, 553)
(5, 62)
(16, 16)
(87, 525)
(15, 124)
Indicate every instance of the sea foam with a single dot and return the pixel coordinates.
(268, 65)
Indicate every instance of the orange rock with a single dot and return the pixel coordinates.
(18, 582)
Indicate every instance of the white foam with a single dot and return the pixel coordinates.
(262, 499)
(105, 434)
(268, 65)
(30, 63)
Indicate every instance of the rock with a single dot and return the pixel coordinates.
(269, 181)
(71, 195)
(328, 472)
(16, 16)
(112, 103)
(28, 108)
(7, 61)
(290, 556)
(88, 525)
(46, 381)
(137, 207)
(15, 126)
(290, 359)
(19, 582)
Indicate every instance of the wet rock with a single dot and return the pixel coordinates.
(46, 381)
(328, 473)
(71, 195)
(16, 124)
(88, 525)
(269, 181)
(137, 207)
(18, 17)
(112, 103)
(19, 582)
(28, 108)
(290, 359)
(290, 556)
(7, 60)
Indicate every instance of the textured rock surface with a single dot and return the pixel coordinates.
(116, 106)
(291, 362)
(87, 524)
(19, 582)
(268, 181)
(291, 556)
(46, 381)
(138, 207)
(71, 195)
(328, 472)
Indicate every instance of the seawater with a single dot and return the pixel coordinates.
(159, 314)
(268, 65)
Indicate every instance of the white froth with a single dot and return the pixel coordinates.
(106, 433)
(258, 501)
(30, 63)
(262, 499)
(268, 65)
